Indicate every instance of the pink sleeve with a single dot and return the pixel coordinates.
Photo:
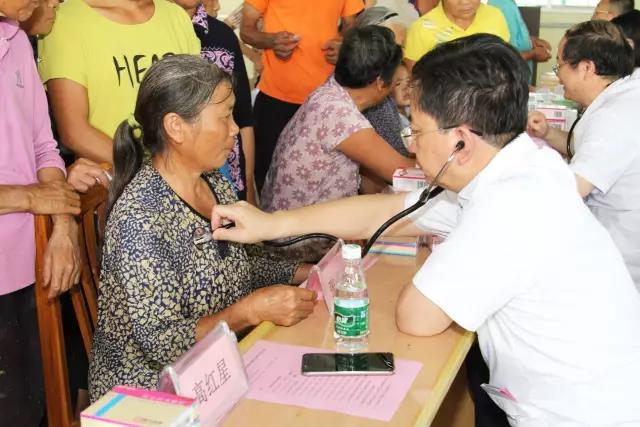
(45, 147)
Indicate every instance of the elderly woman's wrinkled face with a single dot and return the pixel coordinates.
(41, 21)
(461, 9)
(19, 10)
(214, 133)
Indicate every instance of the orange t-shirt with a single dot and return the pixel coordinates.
(315, 22)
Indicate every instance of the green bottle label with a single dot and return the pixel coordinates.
(350, 320)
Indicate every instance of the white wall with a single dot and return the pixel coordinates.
(553, 24)
(226, 6)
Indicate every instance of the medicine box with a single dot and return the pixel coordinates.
(408, 179)
(129, 406)
(558, 116)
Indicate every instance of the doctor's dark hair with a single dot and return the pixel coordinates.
(601, 42)
(479, 81)
(180, 84)
(367, 53)
(629, 23)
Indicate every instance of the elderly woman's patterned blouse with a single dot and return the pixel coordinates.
(155, 283)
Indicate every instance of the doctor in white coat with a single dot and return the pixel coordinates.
(525, 264)
(595, 62)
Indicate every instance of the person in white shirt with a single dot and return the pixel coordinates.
(554, 307)
(595, 61)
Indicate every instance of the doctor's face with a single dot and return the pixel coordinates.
(432, 144)
(569, 76)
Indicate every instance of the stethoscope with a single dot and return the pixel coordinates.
(201, 236)
(422, 200)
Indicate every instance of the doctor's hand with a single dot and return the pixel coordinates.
(537, 125)
(251, 224)
(280, 304)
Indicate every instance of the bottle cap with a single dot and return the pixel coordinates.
(351, 251)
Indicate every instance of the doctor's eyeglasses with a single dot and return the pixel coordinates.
(409, 134)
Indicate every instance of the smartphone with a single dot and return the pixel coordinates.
(347, 364)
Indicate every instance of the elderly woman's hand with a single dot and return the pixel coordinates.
(281, 304)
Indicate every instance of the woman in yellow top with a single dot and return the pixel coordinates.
(450, 20)
(94, 59)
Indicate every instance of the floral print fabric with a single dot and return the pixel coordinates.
(155, 284)
(220, 46)
(307, 167)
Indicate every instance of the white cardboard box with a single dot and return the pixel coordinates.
(558, 116)
(408, 179)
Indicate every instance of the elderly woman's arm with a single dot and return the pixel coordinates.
(373, 153)
(282, 305)
(268, 268)
(156, 301)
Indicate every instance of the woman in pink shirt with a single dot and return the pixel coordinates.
(323, 149)
(32, 181)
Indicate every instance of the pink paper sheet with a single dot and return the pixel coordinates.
(274, 376)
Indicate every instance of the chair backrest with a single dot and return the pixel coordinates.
(83, 296)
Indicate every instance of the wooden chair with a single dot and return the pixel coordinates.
(84, 297)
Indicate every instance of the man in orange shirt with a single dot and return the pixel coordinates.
(301, 41)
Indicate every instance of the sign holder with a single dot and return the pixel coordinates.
(212, 372)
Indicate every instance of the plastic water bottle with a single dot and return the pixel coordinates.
(351, 304)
